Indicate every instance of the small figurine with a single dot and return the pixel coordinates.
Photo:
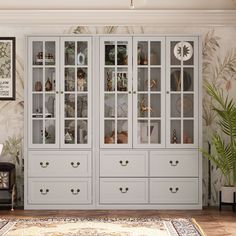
(174, 137)
(144, 108)
(145, 60)
(153, 83)
(81, 81)
(109, 82)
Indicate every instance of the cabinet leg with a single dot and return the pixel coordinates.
(220, 201)
(234, 203)
(13, 194)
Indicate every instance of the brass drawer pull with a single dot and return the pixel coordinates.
(125, 163)
(174, 191)
(44, 192)
(75, 165)
(44, 165)
(172, 164)
(75, 192)
(124, 191)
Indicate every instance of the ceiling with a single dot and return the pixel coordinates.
(118, 4)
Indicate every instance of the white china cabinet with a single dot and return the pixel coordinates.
(113, 122)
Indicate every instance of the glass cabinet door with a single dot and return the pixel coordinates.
(149, 92)
(76, 92)
(182, 92)
(116, 91)
(43, 91)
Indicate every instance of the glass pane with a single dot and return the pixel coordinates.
(188, 79)
(82, 105)
(82, 53)
(142, 53)
(82, 131)
(69, 134)
(109, 81)
(122, 53)
(175, 105)
(50, 53)
(37, 106)
(69, 53)
(175, 131)
(188, 53)
(50, 79)
(109, 130)
(142, 79)
(188, 105)
(69, 79)
(37, 131)
(155, 82)
(155, 105)
(122, 105)
(175, 79)
(143, 106)
(50, 105)
(109, 105)
(37, 79)
(122, 79)
(122, 131)
(82, 81)
(49, 132)
(155, 57)
(155, 131)
(37, 53)
(109, 53)
(69, 105)
(188, 131)
(176, 53)
(142, 131)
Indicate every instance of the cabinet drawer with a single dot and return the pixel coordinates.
(174, 191)
(174, 164)
(59, 191)
(126, 191)
(123, 163)
(59, 164)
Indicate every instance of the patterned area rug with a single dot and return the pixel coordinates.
(99, 227)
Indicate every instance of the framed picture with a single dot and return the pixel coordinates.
(7, 68)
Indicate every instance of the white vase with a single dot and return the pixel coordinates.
(227, 194)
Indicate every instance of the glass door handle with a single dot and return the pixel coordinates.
(57, 92)
(62, 92)
(134, 92)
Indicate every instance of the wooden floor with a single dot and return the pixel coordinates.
(213, 222)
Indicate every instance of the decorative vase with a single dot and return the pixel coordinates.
(48, 85)
(80, 59)
(38, 86)
(227, 194)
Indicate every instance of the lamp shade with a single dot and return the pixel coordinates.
(1, 146)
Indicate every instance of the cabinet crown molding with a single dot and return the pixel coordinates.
(119, 17)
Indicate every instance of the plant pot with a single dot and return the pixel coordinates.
(227, 194)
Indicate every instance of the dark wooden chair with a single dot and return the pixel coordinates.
(7, 184)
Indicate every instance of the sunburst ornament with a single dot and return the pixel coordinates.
(4, 180)
(183, 51)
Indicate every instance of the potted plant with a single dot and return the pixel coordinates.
(224, 140)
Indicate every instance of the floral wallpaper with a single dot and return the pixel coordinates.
(219, 67)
